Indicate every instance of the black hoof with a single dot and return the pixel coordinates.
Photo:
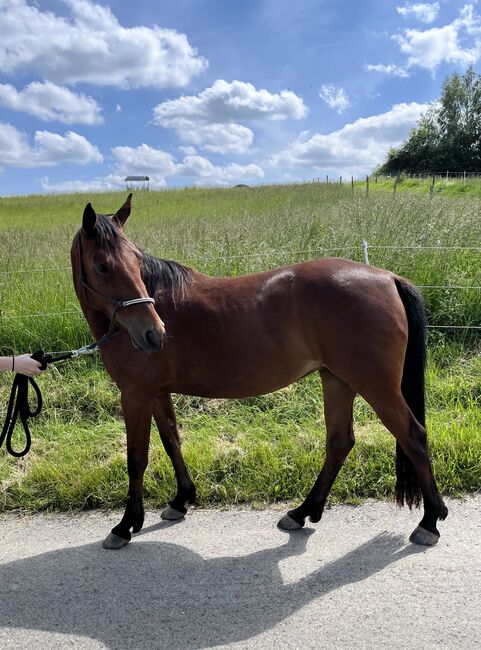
(172, 514)
(287, 522)
(114, 542)
(423, 537)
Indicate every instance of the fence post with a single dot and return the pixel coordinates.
(367, 185)
(352, 184)
(340, 180)
(364, 247)
(464, 180)
(327, 179)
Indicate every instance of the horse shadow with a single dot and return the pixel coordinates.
(156, 594)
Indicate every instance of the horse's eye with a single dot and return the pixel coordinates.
(102, 268)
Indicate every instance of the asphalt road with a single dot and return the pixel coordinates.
(231, 579)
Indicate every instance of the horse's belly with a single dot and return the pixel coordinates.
(246, 382)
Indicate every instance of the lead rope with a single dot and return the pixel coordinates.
(18, 404)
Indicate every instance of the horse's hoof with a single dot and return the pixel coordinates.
(424, 537)
(171, 514)
(288, 523)
(113, 541)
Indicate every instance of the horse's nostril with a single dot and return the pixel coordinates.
(154, 339)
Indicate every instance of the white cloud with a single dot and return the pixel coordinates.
(69, 187)
(144, 160)
(90, 45)
(335, 98)
(204, 171)
(211, 119)
(50, 102)
(389, 69)
(356, 148)
(160, 166)
(425, 12)
(49, 149)
(458, 42)
(217, 138)
(188, 151)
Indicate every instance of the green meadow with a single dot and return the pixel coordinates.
(264, 449)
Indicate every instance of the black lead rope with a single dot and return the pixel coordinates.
(18, 404)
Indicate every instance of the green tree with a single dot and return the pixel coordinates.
(448, 135)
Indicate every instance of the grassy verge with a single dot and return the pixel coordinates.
(454, 187)
(252, 451)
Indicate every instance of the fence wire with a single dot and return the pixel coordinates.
(364, 246)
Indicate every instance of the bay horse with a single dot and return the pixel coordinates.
(362, 328)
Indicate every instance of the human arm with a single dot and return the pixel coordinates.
(22, 363)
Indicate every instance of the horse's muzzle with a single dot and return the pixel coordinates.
(152, 340)
(155, 339)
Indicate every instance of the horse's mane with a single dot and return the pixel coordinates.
(165, 276)
(159, 275)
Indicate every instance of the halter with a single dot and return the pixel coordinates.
(118, 304)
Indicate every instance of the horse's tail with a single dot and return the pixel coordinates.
(412, 387)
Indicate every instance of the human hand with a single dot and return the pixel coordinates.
(25, 365)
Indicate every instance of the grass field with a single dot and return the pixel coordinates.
(262, 449)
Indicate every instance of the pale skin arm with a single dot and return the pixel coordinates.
(22, 363)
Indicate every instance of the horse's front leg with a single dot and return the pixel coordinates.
(138, 417)
(164, 416)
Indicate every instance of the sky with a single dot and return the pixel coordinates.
(217, 92)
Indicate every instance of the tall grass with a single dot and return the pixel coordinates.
(265, 448)
(231, 232)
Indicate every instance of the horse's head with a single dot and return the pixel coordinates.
(107, 273)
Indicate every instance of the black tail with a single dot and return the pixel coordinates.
(412, 387)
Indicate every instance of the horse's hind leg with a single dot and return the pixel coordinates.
(164, 416)
(138, 417)
(338, 404)
(411, 436)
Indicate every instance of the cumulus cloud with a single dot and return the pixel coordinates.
(356, 148)
(160, 166)
(458, 42)
(425, 12)
(144, 160)
(49, 149)
(211, 118)
(103, 184)
(203, 171)
(335, 98)
(89, 45)
(389, 69)
(50, 102)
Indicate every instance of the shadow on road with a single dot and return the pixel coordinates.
(155, 594)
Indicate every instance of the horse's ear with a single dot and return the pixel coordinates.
(89, 220)
(122, 215)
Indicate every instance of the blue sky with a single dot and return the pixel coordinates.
(217, 92)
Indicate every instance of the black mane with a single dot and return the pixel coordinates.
(163, 276)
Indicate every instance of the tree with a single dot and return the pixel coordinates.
(448, 135)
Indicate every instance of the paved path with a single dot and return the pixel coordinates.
(231, 579)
